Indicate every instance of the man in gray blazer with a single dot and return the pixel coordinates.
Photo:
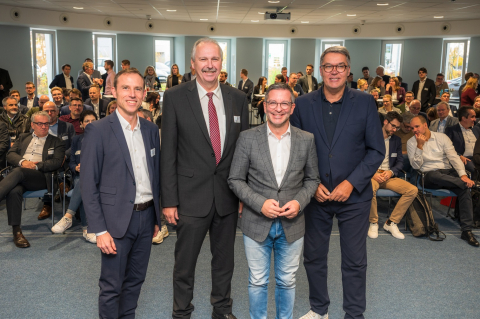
(444, 120)
(274, 173)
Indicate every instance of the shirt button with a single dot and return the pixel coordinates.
(326, 175)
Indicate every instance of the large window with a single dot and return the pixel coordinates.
(44, 62)
(392, 57)
(454, 64)
(276, 58)
(163, 57)
(225, 45)
(331, 43)
(104, 49)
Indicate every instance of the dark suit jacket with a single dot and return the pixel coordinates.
(59, 80)
(298, 88)
(395, 157)
(104, 78)
(6, 82)
(357, 148)
(24, 101)
(65, 110)
(190, 179)
(66, 132)
(75, 153)
(103, 104)
(247, 89)
(354, 85)
(428, 93)
(4, 143)
(84, 84)
(187, 77)
(405, 86)
(456, 136)
(304, 83)
(107, 178)
(95, 75)
(255, 100)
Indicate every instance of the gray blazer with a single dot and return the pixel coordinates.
(451, 121)
(252, 179)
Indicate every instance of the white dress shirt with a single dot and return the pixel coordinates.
(279, 152)
(68, 83)
(420, 89)
(470, 140)
(385, 166)
(89, 77)
(96, 107)
(218, 102)
(438, 153)
(34, 150)
(30, 102)
(310, 83)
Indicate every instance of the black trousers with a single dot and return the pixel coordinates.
(122, 275)
(449, 179)
(191, 232)
(18, 181)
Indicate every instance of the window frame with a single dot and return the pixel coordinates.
(286, 42)
(172, 50)
(228, 54)
(466, 42)
(114, 48)
(384, 49)
(53, 33)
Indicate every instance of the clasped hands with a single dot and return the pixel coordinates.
(382, 177)
(272, 209)
(340, 194)
(30, 165)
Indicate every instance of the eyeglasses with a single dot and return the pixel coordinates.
(396, 128)
(42, 124)
(274, 104)
(51, 111)
(329, 68)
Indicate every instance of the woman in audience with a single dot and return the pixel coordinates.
(395, 90)
(362, 85)
(469, 92)
(153, 100)
(257, 102)
(279, 78)
(377, 83)
(388, 105)
(112, 106)
(476, 107)
(76, 203)
(174, 78)
(432, 114)
(151, 79)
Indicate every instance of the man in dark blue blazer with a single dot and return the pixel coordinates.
(246, 85)
(86, 80)
(350, 82)
(464, 135)
(60, 80)
(120, 184)
(350, 149)
(31, 97)
(385, 178)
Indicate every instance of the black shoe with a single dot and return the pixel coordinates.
(227, 316)
(469, 238)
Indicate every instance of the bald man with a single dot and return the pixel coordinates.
(41, 101)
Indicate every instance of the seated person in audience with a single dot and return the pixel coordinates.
(86, 80)
(17, 123)
(376, 95)
(35, 156)
(190, 76)
(257, 102)
(432, 114)
(350, 83)
(362, 85)
(299, 74)
(98, 104)
(64, 79)
(402, 84)
(405, 106)
(405, 133)
(444, 119)
(151, 78)
(433, 154)
(476, 106)
(125, 64)
(464, 135)
(66, 96)
(445, 97)
(441, 85)
(76, 109)
(112, 106)
(30, 100)
(379, 84)
(175, 78)
(395, 90)
(366, 75)
(76, 198)
(388, 105)
(21, 108)
(415, 107)
(4, 144)
(63, 130)
(222, 78)
(41, 102)
(469, 92)
(385, 178)
(296, 88)
(153, 100)
(74, 93)
(57, 96)
(279, 78)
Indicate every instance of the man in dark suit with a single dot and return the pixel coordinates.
(464, 135)
(385, 178)
(35, 156)
(190, 76)
(63, 130)
(4, 144)
(86, 80)
(200, 127)
(64, 79)
(308, 82)
(424, 90)
(74, 93)
(246, 85)
(120, 184)
(444, 119)
(5, 83)
(350, 148)
(23, 109)
(402, 84)
(350, 82)
(98, 104)
(381, 72)
(415, 108)
(30, 100)
(95, 74)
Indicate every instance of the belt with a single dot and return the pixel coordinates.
(142, 206)
(380, 171)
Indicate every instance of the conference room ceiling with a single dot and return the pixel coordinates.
(316, 12)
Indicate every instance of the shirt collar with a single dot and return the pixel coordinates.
(465, 129)
(40, 138)
(202, 92)
(423, 80)
(388, 138)
(124, 124)
(288, 132)
(56, 123)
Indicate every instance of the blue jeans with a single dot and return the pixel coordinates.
(286, 258)
(76, 201)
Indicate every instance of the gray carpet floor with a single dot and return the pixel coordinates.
(57, 277)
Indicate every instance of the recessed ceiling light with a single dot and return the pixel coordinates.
(172, 10)
(305, 21)
(272, 1)
(203, 19)
(254, 20)
(438, 17)
(382, 4)
(351, 15)
(78, 8)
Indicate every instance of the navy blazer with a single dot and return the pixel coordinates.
(75, 153)
(247, 89)
(456, 136)
(395, 157)
(66, 132)
(107, 179)
(65, 110)
(24, 101)
(84, 84)
(358, 147)
(103, 104)
(59, 80)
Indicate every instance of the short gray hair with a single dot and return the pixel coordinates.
(415, 102)
(4, 101)
(205, 40)
(381, 67)
(279, 86)
(336, 49)
(407, 117)
(443, 103)
(39, 113)
(147, 114)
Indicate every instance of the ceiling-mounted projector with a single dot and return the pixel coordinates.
(276, 16)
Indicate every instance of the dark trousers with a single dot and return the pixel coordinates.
(18, 181)
(191, 232)
(448, 178)
(353, 226)
(123, 274)
(471, 167)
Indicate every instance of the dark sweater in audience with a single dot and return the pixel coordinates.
(75, 123)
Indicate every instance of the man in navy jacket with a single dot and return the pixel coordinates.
(350, 148)
(385, 178)
(60, 79)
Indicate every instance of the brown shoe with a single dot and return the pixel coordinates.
(20, 240)
(60, 187)
(45, 213)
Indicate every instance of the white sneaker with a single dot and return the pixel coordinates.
(163, 233)
(90, 237)
(313, 315)
(62, 225)
(373, 230)
(393, 229)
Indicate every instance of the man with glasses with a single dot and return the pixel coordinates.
(385, 178)
(405, 106)
(444, 119)
(350, 148)
(34, 155)
(415, 108)
(76, 109)
(292, 83)
(30, 100)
